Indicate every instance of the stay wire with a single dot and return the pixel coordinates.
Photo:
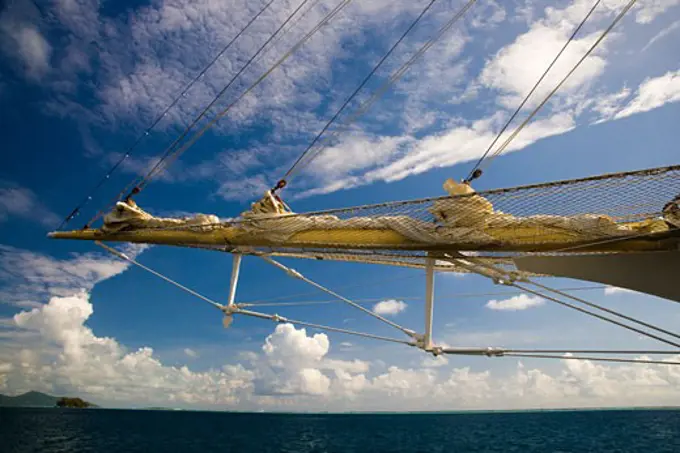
(595, 359)
(394, 77)
(607, 310)
(158, 119)
(472, 176)
(598, 316)
(361, 85)
(617, 19)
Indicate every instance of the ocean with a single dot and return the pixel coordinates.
(102, 430)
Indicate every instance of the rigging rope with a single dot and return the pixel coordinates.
(607, 310)
(394, 77)
(595, 359)
(174, 102)
(586, 351)
(139, 183)
(124, 257)
(282, 319)
(295, 274)
(170, 157)
(504, 277)
(482, 165)
(313, 293)
(473, 173)
(603, 318)
(415, 22)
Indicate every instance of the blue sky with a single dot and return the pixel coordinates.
(81, 80)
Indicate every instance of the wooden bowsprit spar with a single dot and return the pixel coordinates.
(508, 235)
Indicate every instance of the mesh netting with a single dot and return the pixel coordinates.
(608, 207)
(633, 211)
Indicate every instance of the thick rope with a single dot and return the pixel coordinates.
(282, 319)
(607, 310)
(587, 351)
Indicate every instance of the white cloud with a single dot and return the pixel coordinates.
(24, 42)
(102, 369)
(651, 9)
(27, 277)
(21, 202)
(389, 307)
(516, 68)
(609, 290)
(434, 362)
(662, 34)
(515, 303)
(653, 93)
(293, 372)
(190, 353)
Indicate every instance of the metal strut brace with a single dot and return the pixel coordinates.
(295, 274)
(426, 343)
(234, 278)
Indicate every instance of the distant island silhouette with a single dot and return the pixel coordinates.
(38, 399)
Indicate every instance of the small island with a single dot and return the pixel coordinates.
(73, 402)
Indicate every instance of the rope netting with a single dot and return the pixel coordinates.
(640, 206)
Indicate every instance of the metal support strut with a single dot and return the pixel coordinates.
(234, 278)
(429, 303)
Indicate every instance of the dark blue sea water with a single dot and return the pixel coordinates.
(100, 430)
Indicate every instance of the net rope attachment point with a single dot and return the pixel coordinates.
(283, 182)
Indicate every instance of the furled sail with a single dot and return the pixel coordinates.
(622, 212)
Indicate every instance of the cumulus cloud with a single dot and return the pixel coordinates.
(102, 368)
(62, 355)
(389, 307)
(515, 303)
